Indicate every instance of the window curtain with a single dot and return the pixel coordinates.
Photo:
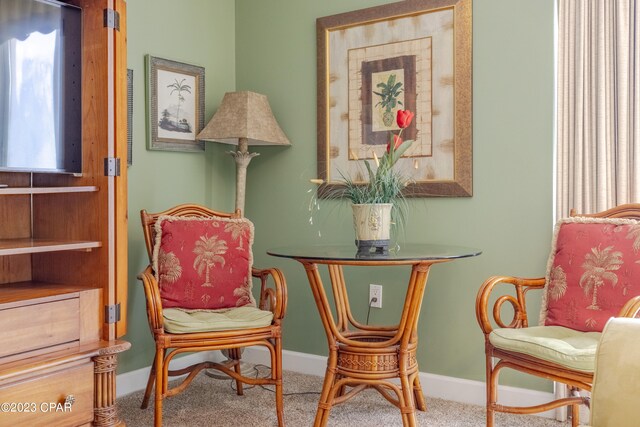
(598, 105)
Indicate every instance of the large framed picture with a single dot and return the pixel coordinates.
(409, 55)
(175, 105)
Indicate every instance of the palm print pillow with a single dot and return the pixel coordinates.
(203, 263)
(593, 270)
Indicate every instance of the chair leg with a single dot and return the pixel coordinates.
(276, 374)
(235, 355)
(492, 390)
(575, 415)
(150, 381)
(160, 380)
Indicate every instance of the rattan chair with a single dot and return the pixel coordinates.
(504, 339)
(273, 299)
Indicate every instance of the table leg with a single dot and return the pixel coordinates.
(326, 397)
(408, 408)
(421, 403)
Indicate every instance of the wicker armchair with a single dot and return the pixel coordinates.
(187, 339)
(561, 361)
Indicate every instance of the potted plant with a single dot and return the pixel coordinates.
(373, 201)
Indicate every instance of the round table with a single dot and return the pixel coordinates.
(369, 356)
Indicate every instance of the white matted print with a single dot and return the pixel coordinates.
(175, 105)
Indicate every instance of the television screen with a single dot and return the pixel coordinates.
(40, 86)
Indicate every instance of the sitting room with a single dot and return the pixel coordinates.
(336, 212)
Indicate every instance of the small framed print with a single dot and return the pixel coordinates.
(175, 105)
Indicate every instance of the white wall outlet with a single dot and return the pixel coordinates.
(375, 292)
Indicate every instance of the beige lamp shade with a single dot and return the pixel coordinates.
(244, 115)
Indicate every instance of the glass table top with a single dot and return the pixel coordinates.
(405, 252)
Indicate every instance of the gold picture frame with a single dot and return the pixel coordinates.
(175, 105)
(423, 47)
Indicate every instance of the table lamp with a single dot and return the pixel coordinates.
(243, 119)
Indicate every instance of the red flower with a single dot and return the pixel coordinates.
(404, 118)
(397, 141)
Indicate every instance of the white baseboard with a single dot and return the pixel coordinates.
(438, 386)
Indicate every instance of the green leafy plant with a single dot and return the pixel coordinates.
(389, 93)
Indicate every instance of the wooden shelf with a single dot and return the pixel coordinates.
(35, 291)
(47, 190)
(32, 246)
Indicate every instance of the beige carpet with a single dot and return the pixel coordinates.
(211, 402)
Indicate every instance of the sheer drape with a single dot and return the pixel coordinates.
(598, 110)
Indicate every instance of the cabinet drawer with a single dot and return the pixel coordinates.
(39, 400)
(39, 326)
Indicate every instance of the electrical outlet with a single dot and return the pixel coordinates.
(375, 291)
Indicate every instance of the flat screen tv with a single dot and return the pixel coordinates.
(40, 86)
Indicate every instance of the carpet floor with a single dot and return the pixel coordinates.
(211, 402)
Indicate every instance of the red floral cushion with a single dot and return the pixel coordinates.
(203, 263)
(593, 270)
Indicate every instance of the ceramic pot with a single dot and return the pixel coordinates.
(372, 224)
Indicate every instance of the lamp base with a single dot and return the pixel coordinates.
(242, 158)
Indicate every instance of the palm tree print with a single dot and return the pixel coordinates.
(209, 251)
(169, 268)
(557, 283)
(237, 230)
(634, 233)
(243, 296)
(598, 268)
(179, 86)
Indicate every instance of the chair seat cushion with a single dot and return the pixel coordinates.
(556, 344)
(181, 321)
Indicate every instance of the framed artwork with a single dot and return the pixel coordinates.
(175, 105)
(410, 55)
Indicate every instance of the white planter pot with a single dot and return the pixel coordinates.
(372, 224)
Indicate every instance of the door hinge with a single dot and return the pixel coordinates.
(112, 313)
(112, 19)
(111, 166)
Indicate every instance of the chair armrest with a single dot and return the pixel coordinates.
(631, 308)
(154, 303)
(273, 298)
(520, 319)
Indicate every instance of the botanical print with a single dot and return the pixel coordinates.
(634, 234)
(388, 91)
(169, 268)
(422, 47)
(557, 283)
(176, 105)
(243, 295)
(238, 231)
(596, 260)
(208, 251)
(215, 255)
(598, 269)
(383, 79)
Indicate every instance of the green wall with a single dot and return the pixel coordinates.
(198, 32)
(509, 216)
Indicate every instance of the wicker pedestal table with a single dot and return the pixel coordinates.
(370, 356)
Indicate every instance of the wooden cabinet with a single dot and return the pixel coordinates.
(63, 255)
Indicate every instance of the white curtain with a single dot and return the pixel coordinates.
(598, 105)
